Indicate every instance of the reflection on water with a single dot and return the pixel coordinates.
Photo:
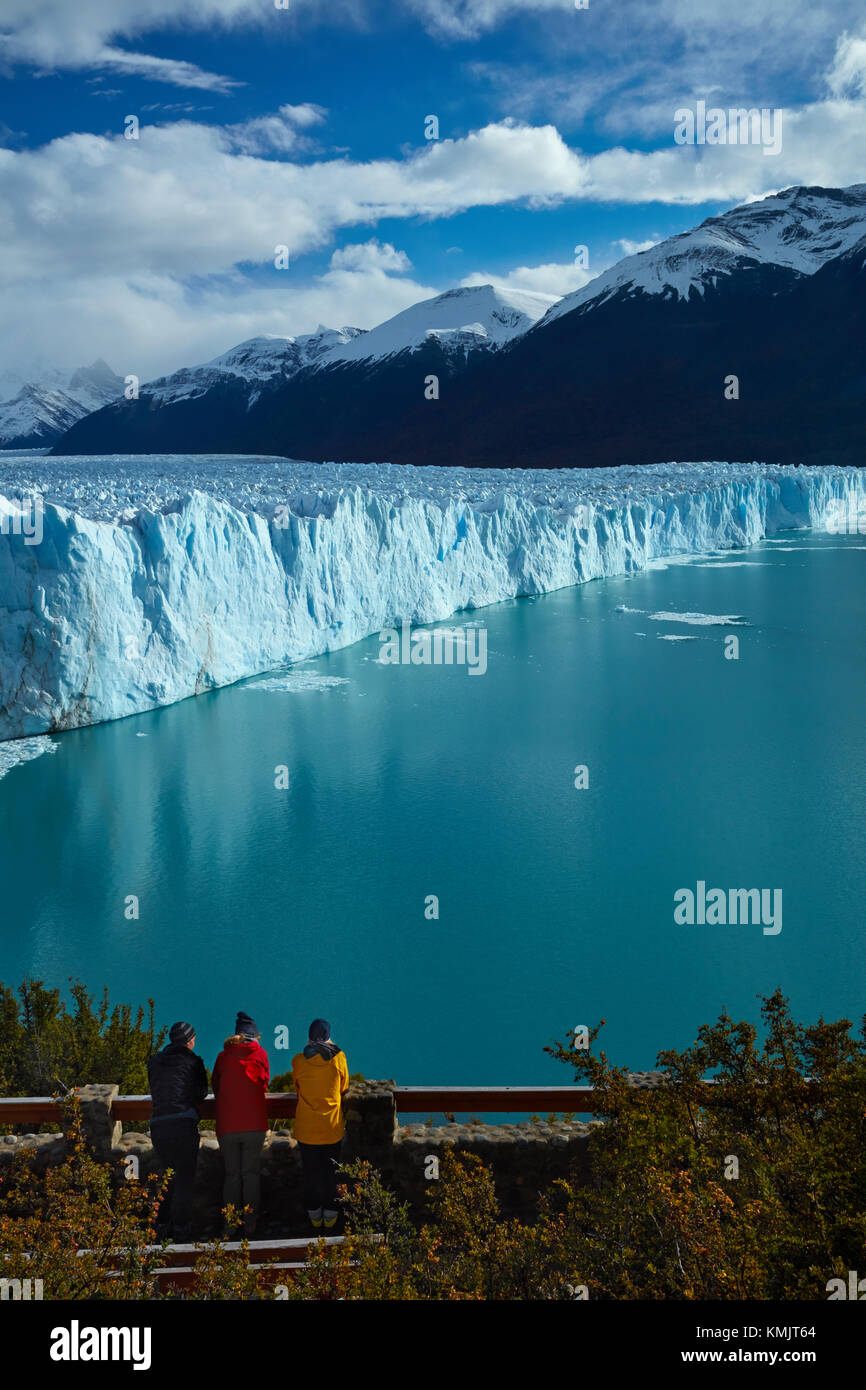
(409, 783)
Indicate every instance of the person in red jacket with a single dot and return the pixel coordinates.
(240, 1083)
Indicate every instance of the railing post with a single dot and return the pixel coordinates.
(100, 1129)
(370, 1113)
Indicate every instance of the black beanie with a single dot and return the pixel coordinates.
(246, 1026)
(320, 1030)
(181, 1032)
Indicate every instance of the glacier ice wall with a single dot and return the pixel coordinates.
(112, 614)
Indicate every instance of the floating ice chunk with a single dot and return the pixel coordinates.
(699, 619)
(293, 681)
(24, 750)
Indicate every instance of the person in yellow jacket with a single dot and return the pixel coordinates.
(320, 1075)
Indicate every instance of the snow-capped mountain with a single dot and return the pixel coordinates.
(259, 363)
(210, 407)
(477, 316)
(740, 339)
(799, 230)
(35, 412)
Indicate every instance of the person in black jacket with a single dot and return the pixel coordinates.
(178, 1082)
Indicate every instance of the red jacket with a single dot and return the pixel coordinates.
(240, 1081)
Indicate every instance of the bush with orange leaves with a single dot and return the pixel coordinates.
(85, 1233)
(75, 1228)
(753, 1187)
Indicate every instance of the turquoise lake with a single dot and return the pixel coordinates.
(556, 905)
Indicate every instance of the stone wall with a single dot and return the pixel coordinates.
(525, 1158)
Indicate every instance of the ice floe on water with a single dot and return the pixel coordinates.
(693, 619)
(784, 549)
(24, 750)
(292, 682)
(700, 619)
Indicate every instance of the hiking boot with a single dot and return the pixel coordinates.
(315, 1219)
(331, 1219)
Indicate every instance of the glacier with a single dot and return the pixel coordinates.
(158, 578)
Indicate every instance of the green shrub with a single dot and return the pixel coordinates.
(45, 1046)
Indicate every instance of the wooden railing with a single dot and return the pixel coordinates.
(276, 1261)
(410, 1100)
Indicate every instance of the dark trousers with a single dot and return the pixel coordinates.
(319, 1163)
(242, 1155)
(176, 1145)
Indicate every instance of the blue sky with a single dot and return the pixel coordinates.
(305, 127)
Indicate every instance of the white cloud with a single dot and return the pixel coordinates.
(551, 278)
(306, 114)
(56, 34)
(185, 108)
(182, 201)
(175, 71)
(371, 255)
(628, 66)
(152, 324)
(83, 33)
(635, 59)
(111, 241)
(278, 134)
(467, 19)
(631, 248)
(847, 75)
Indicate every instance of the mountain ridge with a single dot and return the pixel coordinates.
(631, 368)
(40, 411)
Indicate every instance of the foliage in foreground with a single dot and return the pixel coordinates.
(85, 1233)
(74, 1228)
(753, 1188)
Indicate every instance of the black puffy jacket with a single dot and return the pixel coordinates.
(178, 1080)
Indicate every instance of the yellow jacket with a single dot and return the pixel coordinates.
(319, 1086)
